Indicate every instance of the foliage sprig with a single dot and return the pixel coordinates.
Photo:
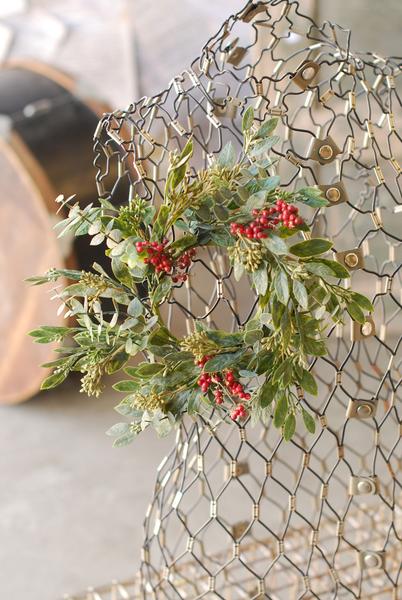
(261, 371)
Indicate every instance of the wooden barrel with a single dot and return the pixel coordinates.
(46, 132)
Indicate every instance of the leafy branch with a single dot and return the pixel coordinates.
(261, 372)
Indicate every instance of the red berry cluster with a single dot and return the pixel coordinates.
(267, 219)
(238, 413)
(234, 386)
(219, 383)
(182, 263)
(162, 260)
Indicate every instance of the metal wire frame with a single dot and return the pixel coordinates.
(222, 491)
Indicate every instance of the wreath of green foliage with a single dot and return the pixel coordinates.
(118, 316)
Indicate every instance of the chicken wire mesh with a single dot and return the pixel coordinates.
(237, 512)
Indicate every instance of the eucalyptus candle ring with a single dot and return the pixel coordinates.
(262, 370)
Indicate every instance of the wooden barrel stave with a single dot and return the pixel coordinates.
(47, 151)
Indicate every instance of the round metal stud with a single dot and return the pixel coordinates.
(366, 329)
(326, 152)
(333, 194)
(351, 259)
(365, 487)
(364, 410)
(308, 73)
(372, 560)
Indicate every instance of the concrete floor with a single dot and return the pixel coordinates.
(71, 506)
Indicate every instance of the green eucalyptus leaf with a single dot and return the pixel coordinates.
(125, 440)
(312, 197)
(222, 361)
(263, 146)
(135, 308)
(204, 213)
(238, 270)
(308, 421)
(126, 408)
(362, 301)
(247, 374)
(314, 347)
(320, 269)
(185, 154)
(264, 362)
(183, 243)
(227, 156)
(162, 291)
(252, 336)
(183, 373)
(313, 247)
(221, 212)
(222, 238)
(177, 170)
(282, 371)
(126, 386)
(193, 402)
(256, 200)
(267, 128)
(47, 334)
(59, 362)
(276, 244)
(53, 380)
(277, 309)
(175, 357)
(118, 361)
(147, 370)
(308, 383)
(281, 410)
(224, 339)
(131, 371)
(248, 119)
(160, 343)
(338, 270)
(260, 280)
(288, 374)
(289, 427)
(356, 312)
(118, 429)
(300, 293)
(121, 272)
(281, 286)
(159, 229)
(163, 425)
(267, 394)
(269, 183)
(182, 225)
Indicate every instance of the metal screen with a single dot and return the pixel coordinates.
(237, 512)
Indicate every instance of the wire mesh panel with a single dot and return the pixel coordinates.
(236, 511)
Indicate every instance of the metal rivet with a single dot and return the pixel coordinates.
(326, 152)
(333, 194)
(308, 73)
(351, 259)
(364, 410)
(365, 487)
(372, 560)
(367, 329)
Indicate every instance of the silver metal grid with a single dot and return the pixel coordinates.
(236, 512)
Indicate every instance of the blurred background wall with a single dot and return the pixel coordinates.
(123, 49)
(71, 508)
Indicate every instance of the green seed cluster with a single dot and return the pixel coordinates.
(199, 344)
(250, 254)
(152, 402)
